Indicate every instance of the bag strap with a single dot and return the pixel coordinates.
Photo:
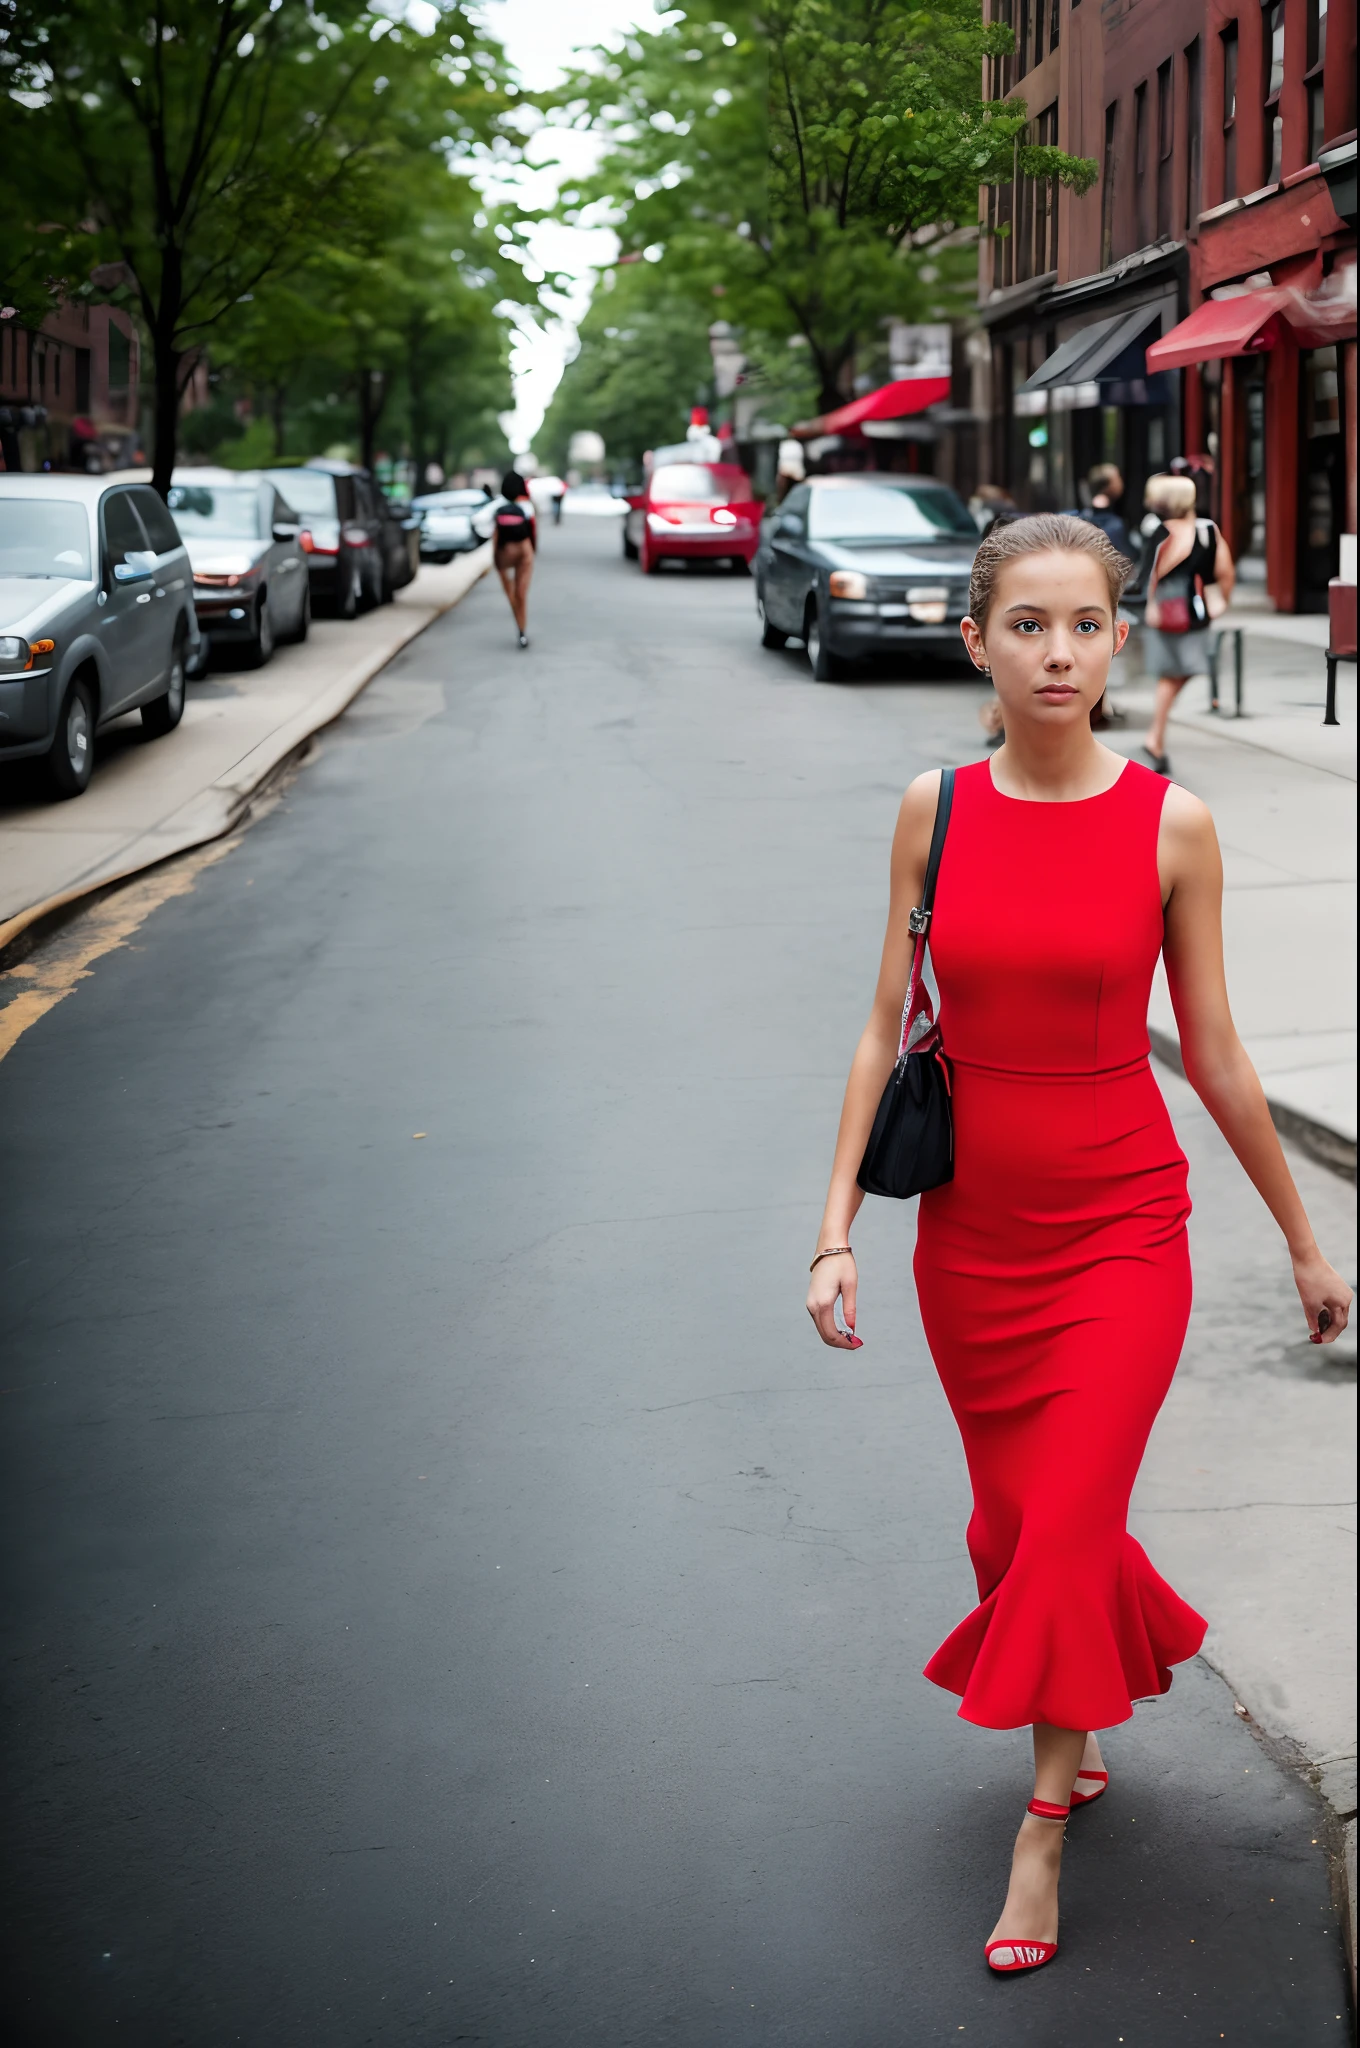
(919, 921)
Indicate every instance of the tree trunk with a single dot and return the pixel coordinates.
(372, 398)
(277, 399)
(167, 360)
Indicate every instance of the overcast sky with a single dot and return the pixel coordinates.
(539, 38)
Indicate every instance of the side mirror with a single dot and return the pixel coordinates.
(790, 525)
(137, 566)
(285, 532)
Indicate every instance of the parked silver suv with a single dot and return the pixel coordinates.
(96, 617)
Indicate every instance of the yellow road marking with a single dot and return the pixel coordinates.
(34, 986)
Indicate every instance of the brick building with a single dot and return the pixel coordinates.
(69, 390)
(1207, 119)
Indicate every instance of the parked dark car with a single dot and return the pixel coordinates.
(250, 573)
(96, 617)
(859, 565)
(358, 550)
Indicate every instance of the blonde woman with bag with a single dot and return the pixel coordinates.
(1188, 574)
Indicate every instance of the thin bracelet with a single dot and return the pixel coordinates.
(832, 1252)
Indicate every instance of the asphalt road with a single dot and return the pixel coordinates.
(451, 1597)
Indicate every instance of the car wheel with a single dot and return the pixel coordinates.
(825, 667)
(352, 593)
(630, 553)
(651, 564)
(70, 758)
(386, 592)
(740, 565)
(260, 647)
(163, 714)
(770, 636)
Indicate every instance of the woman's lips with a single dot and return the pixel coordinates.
(1058, 690)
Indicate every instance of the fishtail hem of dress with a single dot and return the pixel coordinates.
(1070, 1656)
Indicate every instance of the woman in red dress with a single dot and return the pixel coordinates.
(1052, 1271)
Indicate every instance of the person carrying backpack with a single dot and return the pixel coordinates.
(1187, 574)
(515, 535)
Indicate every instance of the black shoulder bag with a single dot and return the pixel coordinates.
(911, 1146)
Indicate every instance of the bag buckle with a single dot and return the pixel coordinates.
(918, 922)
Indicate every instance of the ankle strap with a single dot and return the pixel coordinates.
(1044, 1809)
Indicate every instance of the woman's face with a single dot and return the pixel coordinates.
(1050, 637)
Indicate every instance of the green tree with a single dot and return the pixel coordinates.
(642, 361)
(796, 153)
(203, 144)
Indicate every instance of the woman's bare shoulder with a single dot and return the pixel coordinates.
(922, 797)
(1187, 840)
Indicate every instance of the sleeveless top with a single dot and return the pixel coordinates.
(1047, 927)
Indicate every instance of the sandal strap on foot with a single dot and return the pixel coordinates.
(1045, 1809)
(1024, 1955)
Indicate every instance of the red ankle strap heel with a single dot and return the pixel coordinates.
(1006, 1957)
(1097, 1780)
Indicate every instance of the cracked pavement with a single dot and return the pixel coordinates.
(450, 1594)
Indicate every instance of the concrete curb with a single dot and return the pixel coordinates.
(1330, 1148)
(220, 807)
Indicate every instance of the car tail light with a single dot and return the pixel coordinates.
(723, 517)
(848, 583)
(354, 536)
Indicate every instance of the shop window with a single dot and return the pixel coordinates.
(1323, 475)
(1192, 136)
(1272, 29)
(1166, 136)
(1107, 187)
(1229, 41)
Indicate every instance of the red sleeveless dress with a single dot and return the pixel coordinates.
(1053, 1271)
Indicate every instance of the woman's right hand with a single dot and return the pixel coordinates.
(834, 1280)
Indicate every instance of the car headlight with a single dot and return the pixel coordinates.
(724, 518)
(15, 652)
(848, 583)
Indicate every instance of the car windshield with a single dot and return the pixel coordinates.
(888, 512)
(44, 537)
(215, 511)
(691, 483)
(449, 501)
(307, 490)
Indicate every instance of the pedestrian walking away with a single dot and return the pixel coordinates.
(516, 536)
(1187, 574)
(1052, 1267)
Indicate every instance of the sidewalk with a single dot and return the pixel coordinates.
(150, 800)
(1281, 786)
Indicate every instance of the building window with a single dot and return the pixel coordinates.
(82, 380)
(1166, 136)
(1140, 163)
(1316, 55)
(1192, 133)
(1003, 68)
(1229, 42)
(1107, 187)
(1055, 16)
(1272, 26)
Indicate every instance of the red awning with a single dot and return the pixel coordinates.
(890, 402)
(1241, 326)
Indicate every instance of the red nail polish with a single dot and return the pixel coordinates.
(856, 1343)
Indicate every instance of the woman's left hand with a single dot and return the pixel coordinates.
(1324, 1295)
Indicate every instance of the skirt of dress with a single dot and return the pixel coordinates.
(1054, 1280)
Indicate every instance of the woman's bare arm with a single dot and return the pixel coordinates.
(834, 1279)
(1225, 572)
(1215, 1061)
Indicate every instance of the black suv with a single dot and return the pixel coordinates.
(358, 549)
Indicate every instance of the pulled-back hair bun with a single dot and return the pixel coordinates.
(1041, 533)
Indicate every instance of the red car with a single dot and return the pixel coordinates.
(693, 508)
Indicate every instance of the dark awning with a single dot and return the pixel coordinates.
(1102, 364)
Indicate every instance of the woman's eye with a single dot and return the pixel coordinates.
(1028, 626)
(1088, 625)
